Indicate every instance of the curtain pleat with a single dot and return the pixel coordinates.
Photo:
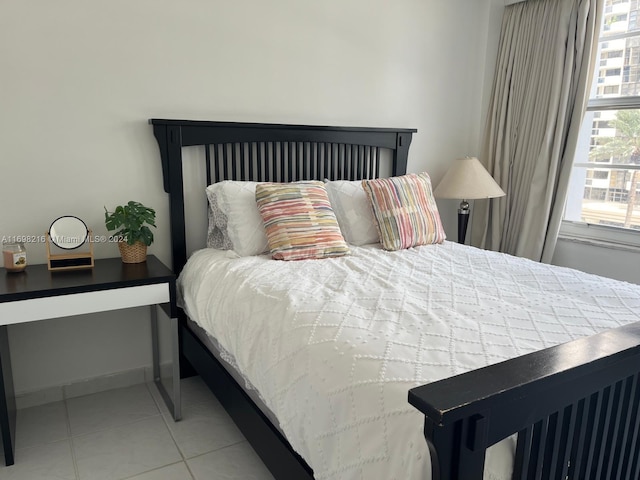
(540, 92)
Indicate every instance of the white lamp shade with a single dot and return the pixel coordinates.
(468, 179)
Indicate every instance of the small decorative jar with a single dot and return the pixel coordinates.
(15, 256)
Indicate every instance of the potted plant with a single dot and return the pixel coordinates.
(132, 222)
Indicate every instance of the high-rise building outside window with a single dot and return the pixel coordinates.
(605, 183)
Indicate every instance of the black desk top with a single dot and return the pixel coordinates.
(36, 281)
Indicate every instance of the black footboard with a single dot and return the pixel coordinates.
(573, 406)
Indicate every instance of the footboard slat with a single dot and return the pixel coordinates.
(627, 431)
(636, 467)
(569, 426)
(586, 453)
(603, 427)
(616, 431)
(537, 445)
(581, 435)
(554, 448)
(523, 452)
(574, 408)
(631, 450)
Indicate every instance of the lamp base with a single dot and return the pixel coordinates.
(463, 221)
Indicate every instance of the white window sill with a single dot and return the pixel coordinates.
(601, 236)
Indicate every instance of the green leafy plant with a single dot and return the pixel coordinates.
(132, 222)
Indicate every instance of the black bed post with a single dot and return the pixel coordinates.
(170, 144)
(401, 153)
(169, 141)
(176, 199)
(457, 449)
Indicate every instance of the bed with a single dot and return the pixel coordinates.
(571, 393)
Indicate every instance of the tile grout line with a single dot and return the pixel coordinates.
(147, 417)
(73, 439)
(46, 442)
(151, 385)
(157, 468)
(124, 425)
(189, 470)
(220, 449)
(70, 437)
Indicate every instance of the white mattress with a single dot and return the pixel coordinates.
(334, 345)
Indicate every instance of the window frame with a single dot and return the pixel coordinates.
(597, 234)
(601, 235)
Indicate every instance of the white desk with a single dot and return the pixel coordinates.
(38, 294)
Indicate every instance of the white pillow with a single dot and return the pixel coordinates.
(353, 211)
(234, 220)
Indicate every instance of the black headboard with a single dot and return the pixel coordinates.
(270, 152)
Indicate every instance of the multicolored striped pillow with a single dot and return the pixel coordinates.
(405, 211)
(299, 221)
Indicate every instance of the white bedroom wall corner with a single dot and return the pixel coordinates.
(479, 57)
(483, 68)
(496, 12)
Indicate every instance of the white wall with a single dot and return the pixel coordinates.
(80, 80)
(599, 260)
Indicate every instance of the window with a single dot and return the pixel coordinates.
(604, 189)
(612, 54)
(633, 20)
(609, 90)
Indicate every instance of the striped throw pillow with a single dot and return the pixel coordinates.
(299, 221)
(405, 211)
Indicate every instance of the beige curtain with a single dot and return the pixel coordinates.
(540, 93)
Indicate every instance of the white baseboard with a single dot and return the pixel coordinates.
(84, 387)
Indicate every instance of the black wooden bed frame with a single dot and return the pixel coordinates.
(573, 406)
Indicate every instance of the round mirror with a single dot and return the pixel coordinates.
(68, 232)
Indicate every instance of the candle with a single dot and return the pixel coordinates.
(15, 256)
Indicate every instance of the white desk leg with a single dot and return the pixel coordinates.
(171, 399)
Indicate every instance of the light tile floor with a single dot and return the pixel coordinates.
(128, 433)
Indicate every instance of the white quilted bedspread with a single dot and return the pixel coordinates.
(333, 346)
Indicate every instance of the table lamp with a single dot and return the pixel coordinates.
(467, 179)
